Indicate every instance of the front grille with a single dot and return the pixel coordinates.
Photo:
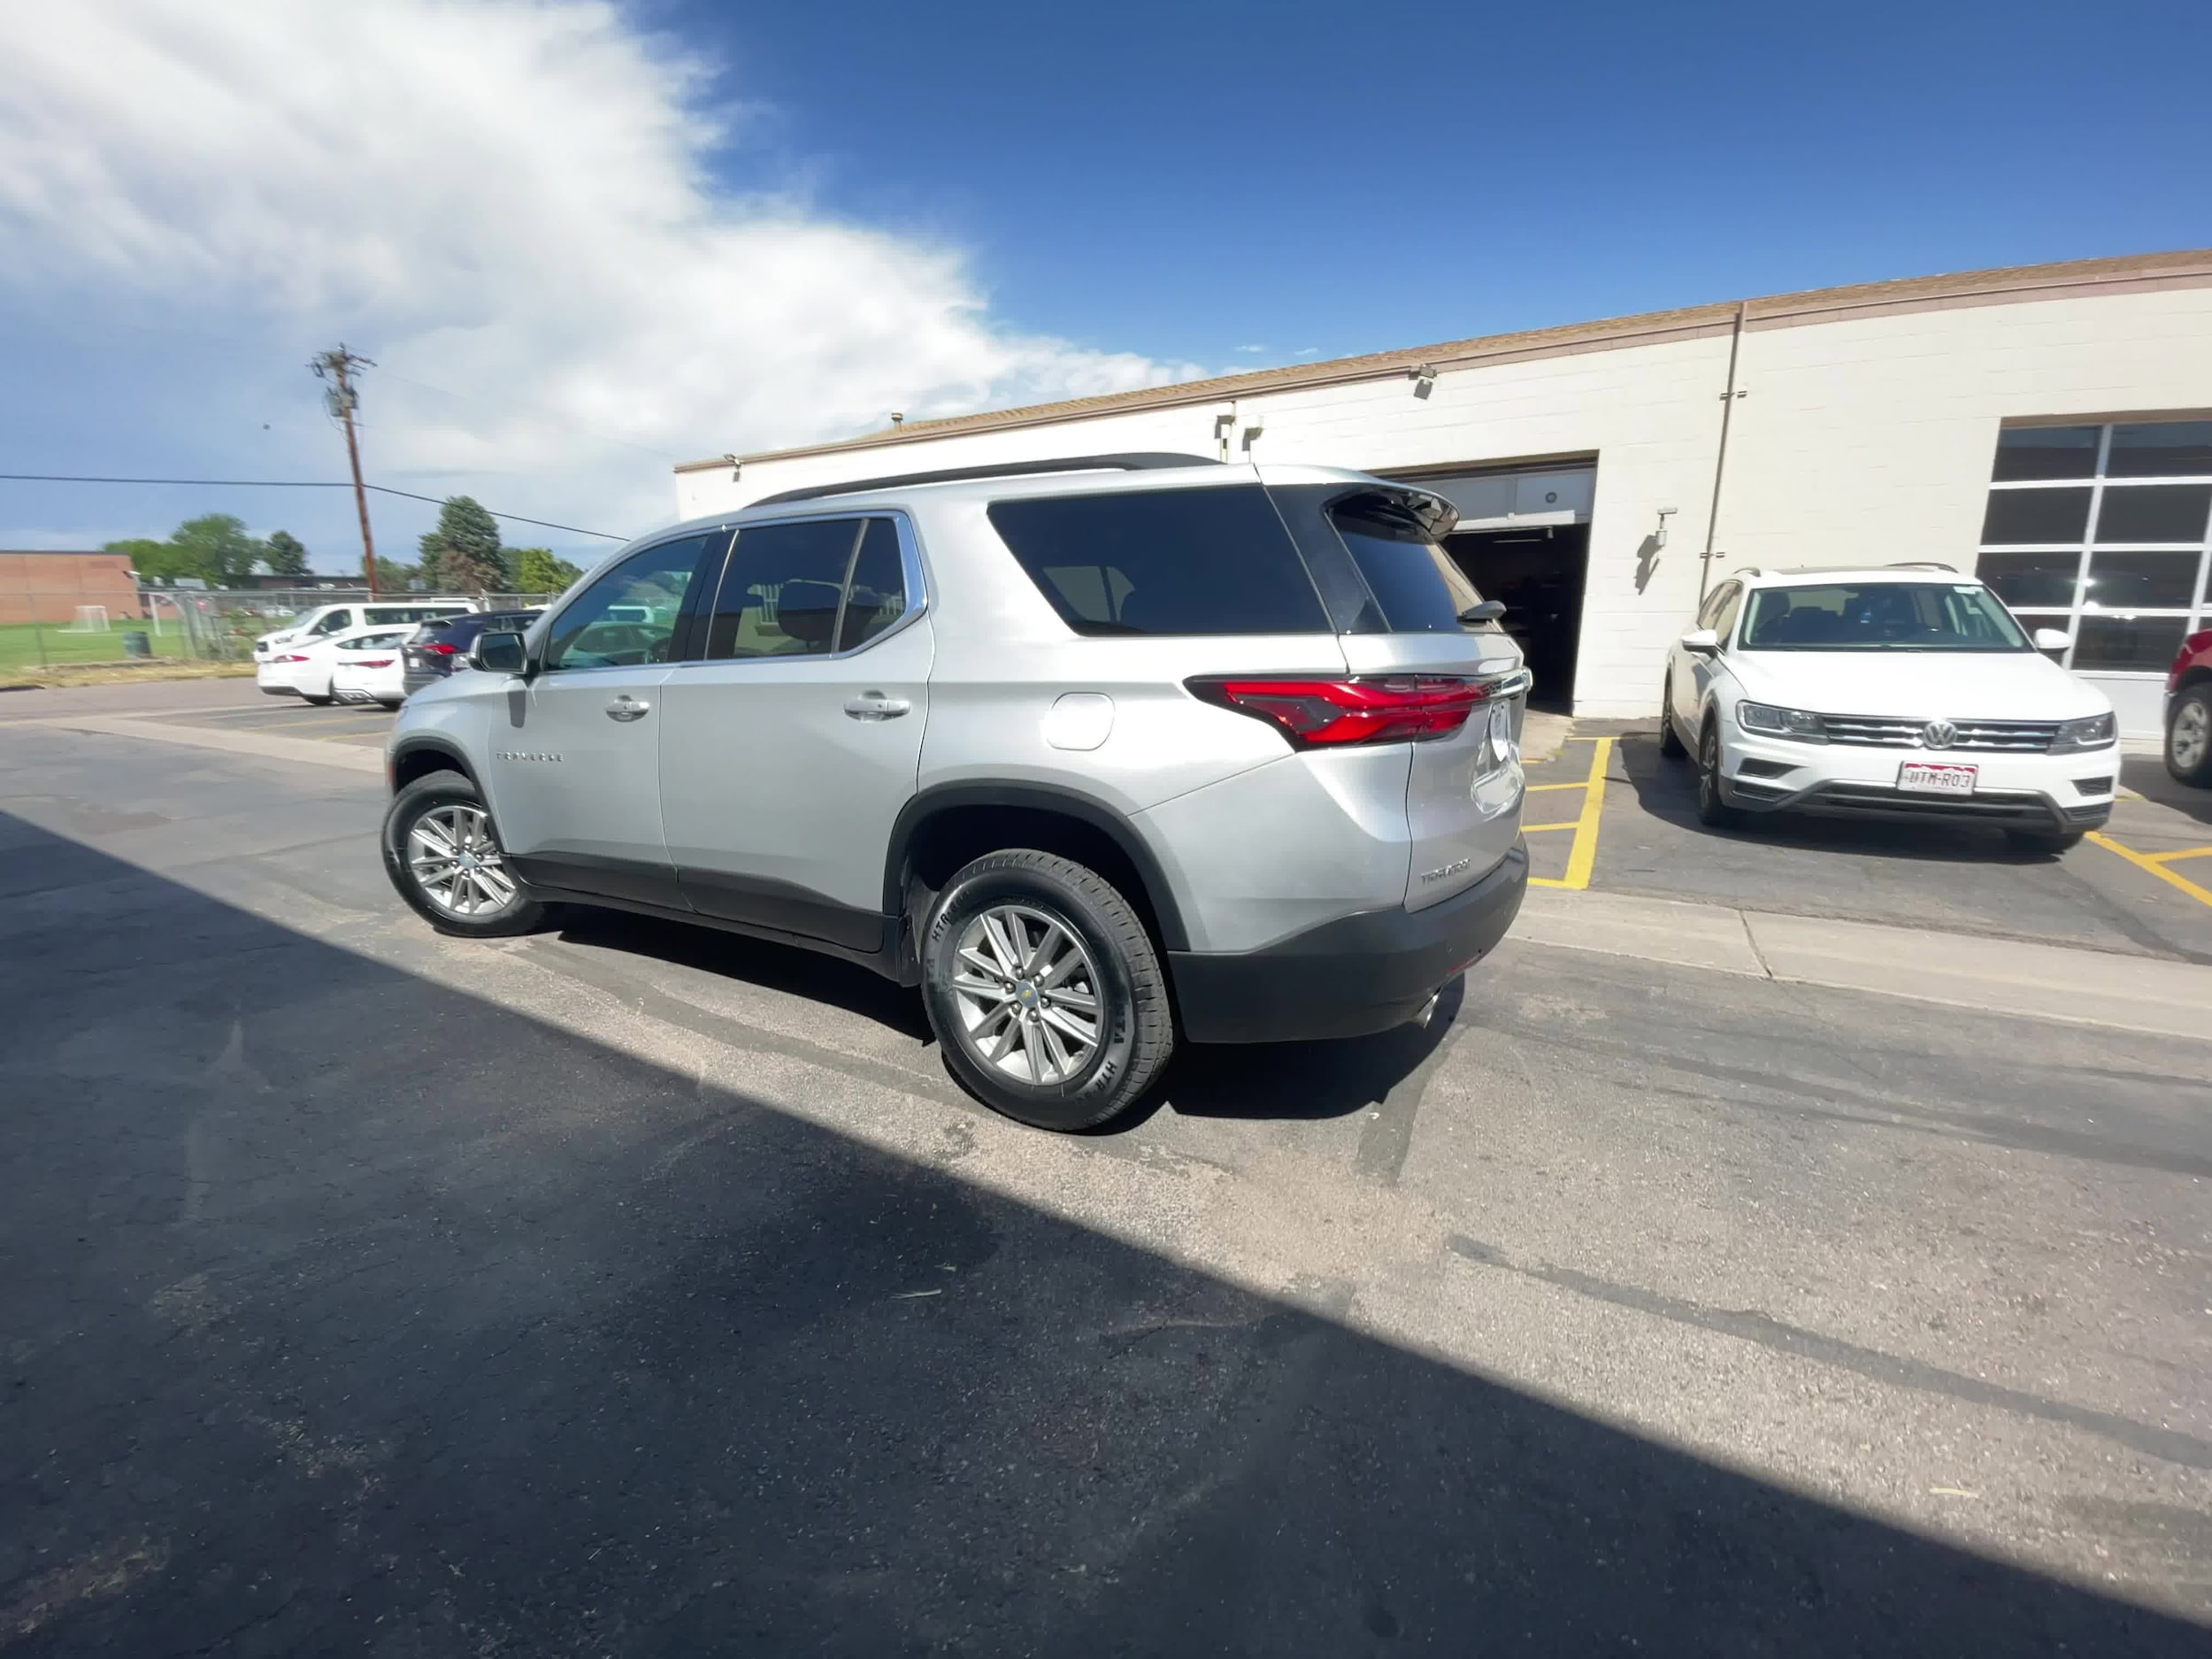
(1874, 731)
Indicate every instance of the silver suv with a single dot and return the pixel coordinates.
(1097, 752)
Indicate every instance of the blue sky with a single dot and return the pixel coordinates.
(584, 239)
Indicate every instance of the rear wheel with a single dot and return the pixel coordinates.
(321, 702)
(441, 851)
(2189, 736)
(1044, 990)
(1712, 807)
(2050, 843)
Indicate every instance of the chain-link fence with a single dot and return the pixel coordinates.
(64, 609)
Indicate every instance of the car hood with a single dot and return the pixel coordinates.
(1918, 685)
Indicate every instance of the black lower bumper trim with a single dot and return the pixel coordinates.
(1349, 978)
(2009, 810)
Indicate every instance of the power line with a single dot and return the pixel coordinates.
(291, 483)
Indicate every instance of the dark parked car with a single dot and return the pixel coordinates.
(2189, 712)
(434, 647)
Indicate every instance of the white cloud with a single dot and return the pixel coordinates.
(511, 204)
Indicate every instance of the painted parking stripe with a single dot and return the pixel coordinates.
(1583, 856)
(2156, 865)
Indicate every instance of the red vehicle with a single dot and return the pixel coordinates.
(2189, 712)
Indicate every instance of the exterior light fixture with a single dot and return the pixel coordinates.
(1423, 377)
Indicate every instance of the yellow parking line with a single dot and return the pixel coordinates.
(2186, 852)
(1535, 788)
(1583, 856)
(2145, 861)
(1538, 829)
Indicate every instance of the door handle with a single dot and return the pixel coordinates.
(628, 708)
(873, 705)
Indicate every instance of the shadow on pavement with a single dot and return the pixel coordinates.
(349, 1313)
(2147, 776)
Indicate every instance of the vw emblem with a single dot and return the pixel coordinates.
(1938, 734)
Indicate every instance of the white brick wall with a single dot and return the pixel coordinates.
(1861, 440)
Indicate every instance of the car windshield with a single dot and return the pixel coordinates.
(1878, 615)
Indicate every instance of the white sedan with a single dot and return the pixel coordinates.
(309, 668)
(370, 671)
(1906, 692)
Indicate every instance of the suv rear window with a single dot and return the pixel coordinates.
(1164, 561)
(1414, 581)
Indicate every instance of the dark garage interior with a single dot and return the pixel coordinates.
(1537, 572)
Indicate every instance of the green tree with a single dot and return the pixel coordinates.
(463, 555)
(286, 556)
(392, 577)
(538, 572)
(154, 561)
(216, 549)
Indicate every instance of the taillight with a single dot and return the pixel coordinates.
(1316, 713)
(374, 662)
(441, 647)
(293, 658)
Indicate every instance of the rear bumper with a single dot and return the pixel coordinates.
(1349, 978)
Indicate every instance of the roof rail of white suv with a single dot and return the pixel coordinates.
(1136, 462)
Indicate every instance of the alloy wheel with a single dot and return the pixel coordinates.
(1028, 995)
(457, 864)
(2191, 732)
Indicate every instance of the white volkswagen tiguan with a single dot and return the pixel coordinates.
(1905, 692)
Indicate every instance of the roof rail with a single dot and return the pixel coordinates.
(1923, 565)
(1141, 462)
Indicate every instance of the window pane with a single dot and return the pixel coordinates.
(2150, 581)
(2031, 578)
(1725, 622)
(2166, 449)
(2155, 513)
(879, 592)
(1880, 616)
(1414, 581)
(2129, 643)
(1164, 561)
(2046, 452)
(2031, 518)
(780, 589)
(628, 616)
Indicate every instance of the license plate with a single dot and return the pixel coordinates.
(1918, 777)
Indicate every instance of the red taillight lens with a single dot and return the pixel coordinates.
(293, 658)
(375, 662)
(441, 647)
(1325, 713)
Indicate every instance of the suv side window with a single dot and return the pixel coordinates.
(1164, 561)
(1723, 621)
(628, 616)
(336, 622)
(1709, 613)
(784, 588)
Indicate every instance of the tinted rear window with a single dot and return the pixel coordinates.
(1167, 561)
(1414, 581)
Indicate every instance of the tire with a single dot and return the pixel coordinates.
(2049, 843)
(387, 705)
(1670, 742)
(454, 802)
(2189, 737)
(987, 1032)
(322, 702)
(1713, 809)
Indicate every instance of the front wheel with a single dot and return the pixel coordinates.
(2189, 737)
(1044, 990)
(1713, 809)
(1670, 742)
(442, 853)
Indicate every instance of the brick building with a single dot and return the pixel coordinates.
(48, 587)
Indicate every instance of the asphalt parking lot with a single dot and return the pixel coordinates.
(633, 1289)
(1623, 818)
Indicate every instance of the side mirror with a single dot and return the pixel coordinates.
(499, 653)
(1701, 642)
(1488, 611)
(2052, 639)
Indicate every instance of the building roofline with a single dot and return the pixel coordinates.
(2010, 284)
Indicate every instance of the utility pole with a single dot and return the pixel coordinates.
(335, 366)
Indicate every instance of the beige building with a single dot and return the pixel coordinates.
(2052, 423)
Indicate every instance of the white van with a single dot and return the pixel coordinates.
(325, 620)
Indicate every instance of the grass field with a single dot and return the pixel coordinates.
(19, 643)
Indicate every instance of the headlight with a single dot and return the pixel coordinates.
(2099, 731)
(1769, 721)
